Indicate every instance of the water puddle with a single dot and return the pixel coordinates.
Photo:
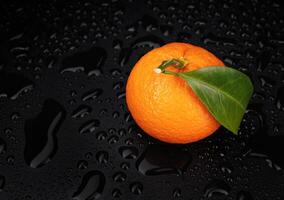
(91, 187)
(41, 141)
(163, 159)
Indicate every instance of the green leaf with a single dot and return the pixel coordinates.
(224, 91)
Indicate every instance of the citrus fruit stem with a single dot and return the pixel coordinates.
(171, 73)
(177, 63)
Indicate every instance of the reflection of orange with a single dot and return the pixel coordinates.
(164, 106)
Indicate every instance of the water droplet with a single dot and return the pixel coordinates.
(82, 111)
(82, 164)
(73, 93)
(89, 127)
(121, 95)
(91, 95)
(91, 187)
(163, 159)
(2, 146)
(41, 142)
(15, 116)
(121, 132)
(280, 98)
(102, 157)
(127, 117)
(115, 115)
(116, 193)
(89, 61)
(88, 155)
(112, 131)
(226, 168)
(13, 86)
(129, 141)
(72, 101)
(265, 157)
(101, 135)
(216, 187)
(128, 152)
(166, 30)
(176, 193)
(117, 44)
(10, 160)
(125, 166)
(136, 188)
(113, 139)
(119, 177)
(8, 131)
(115, 73)
(102, 112)
(118, 85)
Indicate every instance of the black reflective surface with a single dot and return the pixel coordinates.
(66, 133)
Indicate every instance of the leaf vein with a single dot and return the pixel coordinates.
(215, 88)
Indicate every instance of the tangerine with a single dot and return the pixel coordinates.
(165, 106)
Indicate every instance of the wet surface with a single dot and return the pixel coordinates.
(66, 133)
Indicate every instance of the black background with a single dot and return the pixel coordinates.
(65, 131)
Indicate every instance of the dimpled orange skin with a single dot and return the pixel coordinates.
(165, 106)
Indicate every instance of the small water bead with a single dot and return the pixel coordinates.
(15, 116)
(117, 45)
(92, 94)
(121, 95)
(226, 168)
(115, 73)
(127, 117)
(115, 115)
(102, 112)
(8, 131)
(124, 166)
(112, 131)
(82, 164)
(2, 146)
(176, 193)
(102, 157)
(102, 135)
(118, 85)
(88, 155)
(136, 188)
(128, 152)
(119, 177)
(121, 132)
(113, 139)
(129, 141)
(89, 127)
(116, 193)
(81, 112)
(72, 101)
(10, 160)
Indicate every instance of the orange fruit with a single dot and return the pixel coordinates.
(165, 106)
